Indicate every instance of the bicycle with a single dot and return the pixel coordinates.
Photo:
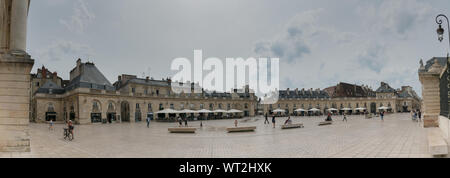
(67, 134)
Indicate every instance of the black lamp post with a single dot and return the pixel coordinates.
(440, 31)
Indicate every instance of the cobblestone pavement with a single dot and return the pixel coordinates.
(397, 136)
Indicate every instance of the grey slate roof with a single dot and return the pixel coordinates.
(305, 94)
(385, 89)
(408, 94)
(441, 60)
(50, 87)
(90, 77)
(150, 82)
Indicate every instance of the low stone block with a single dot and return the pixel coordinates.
(325, 123)
(436, 143)
(241, 129)
(182, 130)
(292, 126)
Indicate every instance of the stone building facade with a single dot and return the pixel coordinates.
(344, 96)
(431, 74)
(89, 97)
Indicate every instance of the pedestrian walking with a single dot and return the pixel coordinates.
(420, 115)
(235, 123)
(273, 121)
(345, 118)
(51, 125)
(185, 122)
(267, 120)
(382, 115)
(148, 122)
(180, 121)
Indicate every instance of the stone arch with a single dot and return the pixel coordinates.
(111, 106)
(125, 111)
(96, 111)
(111, 111)
(50, 112)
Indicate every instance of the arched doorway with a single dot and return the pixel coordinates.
(125, 111)
(96, 113)
(50, 115)
(111, 112)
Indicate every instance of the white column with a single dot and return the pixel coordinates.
(19, 14)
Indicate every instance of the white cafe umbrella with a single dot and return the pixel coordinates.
(187, 111)
(361, 109)
(279, 110)
(219, 111)
(332, 109)
(235, 111)
(383, 108)
(314, 110)
(204, 111)
(167, 111)
(300, 110)
(347, 109)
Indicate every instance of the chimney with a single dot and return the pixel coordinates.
(78, 62)
(147, 79)
(287, 91)
(296, 91)
(55, 77)
(119, 78)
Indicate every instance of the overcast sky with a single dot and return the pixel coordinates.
(319, 42)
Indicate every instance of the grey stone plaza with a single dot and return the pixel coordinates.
(395, 137)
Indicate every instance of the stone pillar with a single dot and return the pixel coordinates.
(15, 68)
(14, 102)
(430, 94)
(19, 14)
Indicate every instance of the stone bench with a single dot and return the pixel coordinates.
(292, 126)
(436, 143)
(241, 129)
(325, 123)
(182, 130)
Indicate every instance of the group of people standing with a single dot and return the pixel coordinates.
(180, 121)
(266, 121)
(416, 115)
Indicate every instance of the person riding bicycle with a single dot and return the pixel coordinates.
(70, 127)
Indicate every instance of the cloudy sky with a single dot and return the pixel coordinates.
(319, 42)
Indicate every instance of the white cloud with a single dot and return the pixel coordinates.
(63, 50)
(399, 16)
(80, 19)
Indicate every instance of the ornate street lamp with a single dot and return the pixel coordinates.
(440, 31)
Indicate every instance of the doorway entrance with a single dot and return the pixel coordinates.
(125, 111)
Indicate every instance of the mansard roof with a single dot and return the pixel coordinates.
(50, 88)
(385, 88)
(90, 77)
(303, 94)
